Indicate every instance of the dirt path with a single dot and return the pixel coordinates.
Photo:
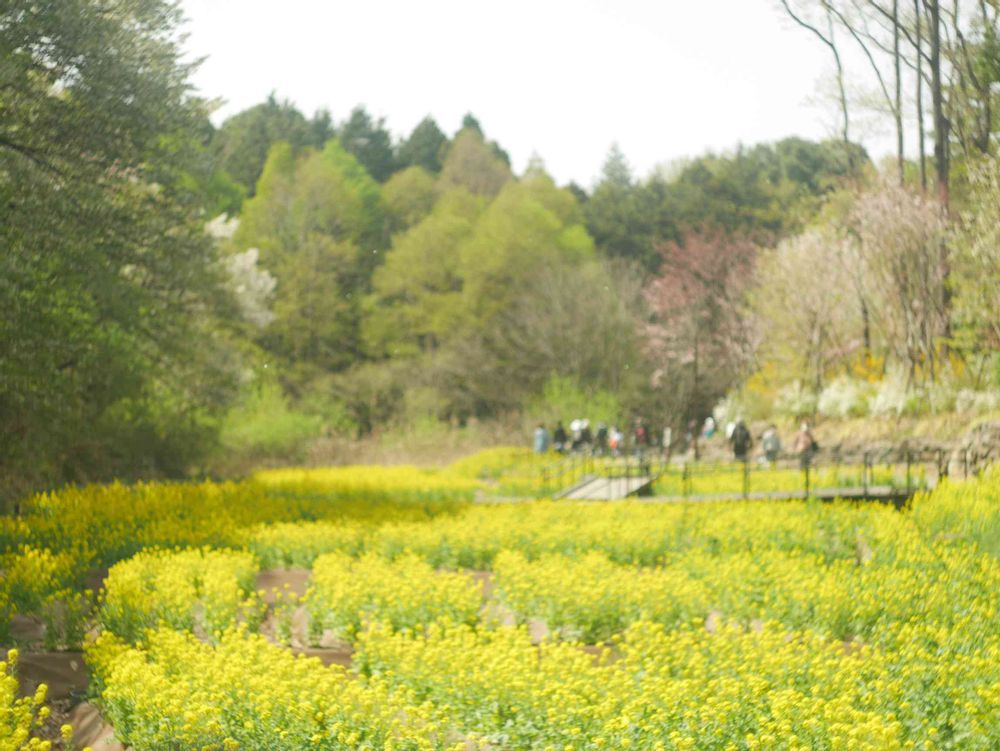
(90, 729)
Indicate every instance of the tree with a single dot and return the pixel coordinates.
(111, 291)
(618, 218)
(469, 122)
(950, 48)
(569, 320)
(473, 165)
(316, 308)
(318, 221)
(409, 196)
(902, 240)
(242, 142)
(530, 224)
(369, 142)
(806, 328)
(424, 147)
(977, 261)
(974, 89)
(767, 191)
(698, 339)
(453, 284)
(416, 301)
(942, 165)
(825, 33)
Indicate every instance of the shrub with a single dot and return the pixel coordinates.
(794, 400)
(845, 397)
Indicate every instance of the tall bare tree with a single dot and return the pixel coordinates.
(829, 40)
(919, 50)
(941, 123)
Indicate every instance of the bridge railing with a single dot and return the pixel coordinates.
(860, 474)
(857, 473)
(895, 471)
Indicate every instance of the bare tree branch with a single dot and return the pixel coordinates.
(864, 48)
(829, 42)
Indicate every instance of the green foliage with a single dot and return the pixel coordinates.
(339, 198)
(405, 285)
(766, 191)
(763, 189)
(316, 316)
(562, 398)
(264, 424)
(369, 142)
(530, 224)
(475, 289)
(619, 214)
(265, 220)
(224, 195)
(242, 143)
(111, 292)
(568, 319)
(416, 301)
(472, 164)
(409, 196)
(424, 147)
(318, 221)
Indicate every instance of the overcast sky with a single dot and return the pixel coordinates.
(560, 78)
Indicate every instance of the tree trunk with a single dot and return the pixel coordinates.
(900, 158)
(842, 90)
(921, 136)
(866, 329)
(941, 165)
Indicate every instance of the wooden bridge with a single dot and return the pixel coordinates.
(591, 488)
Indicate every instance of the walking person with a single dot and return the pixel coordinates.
(601, 438)
(805, 445)
(615, 439)
(559, 438)
(541, 439)
(586, 437)
(771, 443)
(741, 441)
(641, 436)
(575, 432)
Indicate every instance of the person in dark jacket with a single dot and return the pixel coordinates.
(741, 441)
(601, 439)
(559, 438)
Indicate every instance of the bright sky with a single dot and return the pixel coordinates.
(560, 78)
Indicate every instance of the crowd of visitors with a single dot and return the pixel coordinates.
(611, 441)
(605, 440)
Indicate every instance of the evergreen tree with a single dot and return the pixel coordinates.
(370, 143)
(425, 146)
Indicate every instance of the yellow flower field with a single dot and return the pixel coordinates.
(719, 626)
